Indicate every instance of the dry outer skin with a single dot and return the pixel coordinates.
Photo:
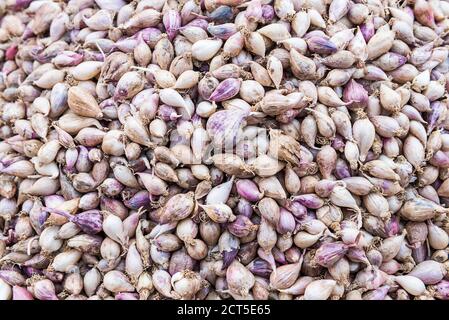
(228, 149)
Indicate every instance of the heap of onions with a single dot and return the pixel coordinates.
(217, 149)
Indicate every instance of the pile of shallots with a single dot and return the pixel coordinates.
(224, 149)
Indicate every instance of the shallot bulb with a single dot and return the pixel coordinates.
(224, 149)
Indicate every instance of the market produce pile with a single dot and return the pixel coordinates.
(224, 149)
